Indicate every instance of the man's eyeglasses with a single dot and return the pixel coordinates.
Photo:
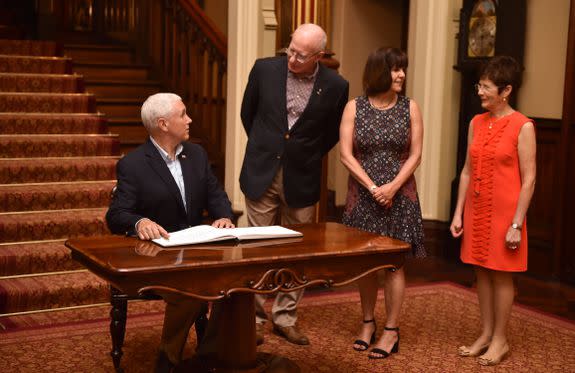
(298, 57)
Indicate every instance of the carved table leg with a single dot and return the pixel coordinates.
(236, 343)
(118, 315)
(237, 328)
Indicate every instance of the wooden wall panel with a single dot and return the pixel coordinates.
(541, 217)
(568, 249)
(565, 207)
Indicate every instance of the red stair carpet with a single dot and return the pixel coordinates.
(57, 169)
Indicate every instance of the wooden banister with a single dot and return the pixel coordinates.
(191, 59)
(206, 25)
(188, 53)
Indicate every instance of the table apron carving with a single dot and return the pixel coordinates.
(211, 284)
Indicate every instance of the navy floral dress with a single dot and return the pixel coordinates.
(381, 143)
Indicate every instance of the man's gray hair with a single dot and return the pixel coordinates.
(156, 106)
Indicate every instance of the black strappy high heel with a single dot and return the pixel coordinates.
(382, 354)
(364, 345)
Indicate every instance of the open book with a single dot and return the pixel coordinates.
(207, 233)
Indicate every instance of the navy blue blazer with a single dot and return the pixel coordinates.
(298, 150)
(147, 189)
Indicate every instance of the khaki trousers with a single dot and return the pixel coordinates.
(270, 209)
(181, 312)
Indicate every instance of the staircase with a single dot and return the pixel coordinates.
(119, 84)
(57, 168)
(69, 110)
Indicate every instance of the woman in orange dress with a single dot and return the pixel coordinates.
(495, 189)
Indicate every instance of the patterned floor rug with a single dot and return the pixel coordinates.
(436, 319)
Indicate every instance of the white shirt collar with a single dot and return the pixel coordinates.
(164, 153)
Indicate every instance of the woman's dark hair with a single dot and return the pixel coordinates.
(502, 71)
(377, 72)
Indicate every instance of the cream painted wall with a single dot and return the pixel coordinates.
(359, 27)
(362, 25)
(434, 85)
(252, 29)
(545, 55)
(432, 82)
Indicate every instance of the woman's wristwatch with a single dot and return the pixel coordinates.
(516, 226)
(372, 188)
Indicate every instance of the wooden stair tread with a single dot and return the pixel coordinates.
(45, 94)
(103, 158)
(58, 186)
(89, 81)
(101, 46)
(115, 100)
(30, 47)
(51, 115)
(34, 75)
(52, 123)
(52, 224)
(35, 257)
(55, 169)
(125, 119)
(52, 291)
(45, 58)
(35, 64)
(57, 214)
(55, 196)
(56, 145)
(62, 184)
(112, 64)
(57, 136)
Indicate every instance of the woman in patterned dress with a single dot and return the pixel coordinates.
(381, 138)
(495, 189)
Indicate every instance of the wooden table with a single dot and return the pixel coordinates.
(328, 254)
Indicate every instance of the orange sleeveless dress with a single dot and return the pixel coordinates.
(492, 194)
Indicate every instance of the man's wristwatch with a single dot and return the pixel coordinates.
(516, 226)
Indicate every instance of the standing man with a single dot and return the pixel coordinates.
(164, 186)
(291, 112)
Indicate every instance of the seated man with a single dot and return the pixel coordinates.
(163, 186)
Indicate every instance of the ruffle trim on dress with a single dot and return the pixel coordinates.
(483, 170)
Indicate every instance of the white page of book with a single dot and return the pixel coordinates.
(206, 233)
(197, 234)
(273, 231)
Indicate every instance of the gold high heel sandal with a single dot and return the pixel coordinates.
(464, 351)
(487, 361)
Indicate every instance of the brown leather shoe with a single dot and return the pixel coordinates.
(259, 333)
(292, 334)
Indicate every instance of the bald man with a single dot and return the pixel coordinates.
(291, 111)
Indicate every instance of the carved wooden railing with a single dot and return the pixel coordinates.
(192, 57)
(187, 51)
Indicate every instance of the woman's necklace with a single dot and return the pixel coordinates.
(383, 105)
(492, 122)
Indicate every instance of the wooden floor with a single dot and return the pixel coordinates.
(548, 296)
